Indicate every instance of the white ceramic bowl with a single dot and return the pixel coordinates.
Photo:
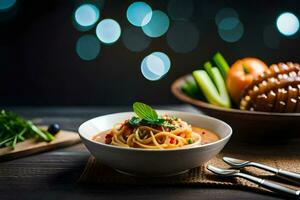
(145, 162)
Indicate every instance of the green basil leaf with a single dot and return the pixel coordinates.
(144, 111)
(160, 121)
(134, 121)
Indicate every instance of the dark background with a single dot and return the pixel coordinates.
(39, 64)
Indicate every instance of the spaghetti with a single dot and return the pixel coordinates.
(178, 133)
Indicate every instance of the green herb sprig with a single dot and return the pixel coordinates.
(14, 129)
(147, 116)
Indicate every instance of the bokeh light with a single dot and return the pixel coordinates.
(6, 4)
(228, 23)
(86, 15)
(108, 31)
(229, 34)
(134, 39)
(287, 24)
(271, 37)
(230, 28)
(183, 36)
(158, 24)
(225, 13)
(139, 13)
(155, 66)
(88, 47)
(181, 9)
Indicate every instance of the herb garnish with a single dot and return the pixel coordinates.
(144, 111)
(14, 129)
(147, 116)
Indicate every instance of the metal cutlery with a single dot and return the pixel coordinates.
(238, 164)
(261, 182)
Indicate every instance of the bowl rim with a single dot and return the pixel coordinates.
(175, 89)
(226, 138)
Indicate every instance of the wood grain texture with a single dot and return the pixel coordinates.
(54, 174)
(32, 146)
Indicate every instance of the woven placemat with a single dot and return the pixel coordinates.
(97, 173)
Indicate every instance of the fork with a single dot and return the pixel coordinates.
(261, 182)
(238, 164)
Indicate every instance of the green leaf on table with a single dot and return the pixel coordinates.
(14, 129)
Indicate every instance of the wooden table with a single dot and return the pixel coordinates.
(53, 174)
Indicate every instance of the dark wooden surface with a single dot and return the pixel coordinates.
(53, 174)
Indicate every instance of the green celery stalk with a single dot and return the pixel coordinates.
(39, 132)
(208, 68)
(49, 136)
(215, 94)
(190, 89)
(186, 88)
(15, 141)
(221, 64)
